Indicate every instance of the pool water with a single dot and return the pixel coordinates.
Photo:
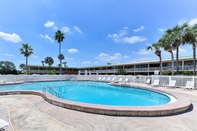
(97, 93)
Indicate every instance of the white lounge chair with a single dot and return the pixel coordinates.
(126, 81)
(99, 78)
(3, 125)
(155, 83)
(189, 85)
(108, 79)
(148, 81)
(117, 82)
(172, 83)
(113, 79)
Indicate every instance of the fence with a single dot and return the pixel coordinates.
(164, 80)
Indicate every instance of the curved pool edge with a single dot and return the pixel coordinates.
(182, 104)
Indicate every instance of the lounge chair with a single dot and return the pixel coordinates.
(172, 83)
(108, 79)
(99, 78)
(126, 82)
(3, 125)
(189, 85)
(117, 82)
(148, 81)
(155, 83)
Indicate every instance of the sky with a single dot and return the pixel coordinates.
(96, 32)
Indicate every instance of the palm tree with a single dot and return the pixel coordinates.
(65, 64)
(42, 63)
(177, 37)
(156, 47)
(21, 66)
(26, 50)
(60, 57)
(166, 43)
(59, 36)
(191, 38)
(49, 61)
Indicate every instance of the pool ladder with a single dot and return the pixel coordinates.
(47, 87)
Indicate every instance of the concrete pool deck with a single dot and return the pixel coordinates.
(31, 112)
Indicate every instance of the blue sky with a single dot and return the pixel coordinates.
(96, 31)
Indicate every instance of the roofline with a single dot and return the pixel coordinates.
(119, 64)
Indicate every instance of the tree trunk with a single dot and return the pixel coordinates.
(60, 59)
(26, 66)
(172, 56)
(160, 70)
(194, 59)
(177, 60)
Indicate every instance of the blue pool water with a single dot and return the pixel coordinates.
(97, 93)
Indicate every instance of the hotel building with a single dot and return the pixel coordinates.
(132, 68)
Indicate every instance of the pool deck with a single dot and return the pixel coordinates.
(31, 112)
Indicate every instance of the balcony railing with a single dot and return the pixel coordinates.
(146, 69)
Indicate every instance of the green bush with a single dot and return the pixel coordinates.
(52, 72)
(121, 72)
(167, 72)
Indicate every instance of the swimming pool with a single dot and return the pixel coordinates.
(97, 93)
(103, 102)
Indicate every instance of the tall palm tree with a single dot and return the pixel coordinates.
(191, 38)
(49, 61)
(166, 43)
(156, 47)
(59, 36)
(26, 50)
(177, 37)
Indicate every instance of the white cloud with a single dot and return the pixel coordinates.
(95, 62)
(55, 28)
(181, 51)
(192, 22)
(86, 62)
(161, 30)
(133, 39)
(8, 54)
(126, 56)
(182, 21)
(142, 52)
(120, 37)
(46, 37)
(148, 44)
(10, 37)
(69, 58)
(138, 29)
(49, 24)
(77, 29)
(143, 59)
(73, 50)
(125, 28)
(34, 56)
(107, 57)
(66, 30)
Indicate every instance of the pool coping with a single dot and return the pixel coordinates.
(182, 104)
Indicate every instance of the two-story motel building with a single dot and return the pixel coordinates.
(132, 68)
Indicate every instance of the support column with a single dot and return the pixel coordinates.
(182, 65)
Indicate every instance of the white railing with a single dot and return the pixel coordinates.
(163, 80)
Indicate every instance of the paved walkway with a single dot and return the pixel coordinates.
(32, 113)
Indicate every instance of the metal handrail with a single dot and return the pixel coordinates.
(47, 87)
